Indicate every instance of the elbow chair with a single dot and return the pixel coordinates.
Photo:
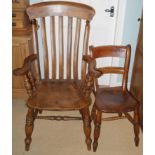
(59, 90)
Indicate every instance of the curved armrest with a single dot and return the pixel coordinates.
(91, 66)
(26, 66)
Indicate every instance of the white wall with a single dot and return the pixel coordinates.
(131, 28)
(34, 1)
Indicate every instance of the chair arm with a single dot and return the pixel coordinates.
(26, 66)
(92, 66)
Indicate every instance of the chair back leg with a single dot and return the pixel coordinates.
(136, 125)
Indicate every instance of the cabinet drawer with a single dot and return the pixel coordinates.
(18, 15)
(19, 24)
(20, 4)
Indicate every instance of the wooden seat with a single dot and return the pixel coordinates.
(114, 99)
(59, 81)
(58, 94)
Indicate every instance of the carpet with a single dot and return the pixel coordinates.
(67, 138)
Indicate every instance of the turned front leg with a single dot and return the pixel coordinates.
(87, 126)
(29, 128)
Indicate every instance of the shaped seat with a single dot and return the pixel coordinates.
(57, 94)
(114, 100)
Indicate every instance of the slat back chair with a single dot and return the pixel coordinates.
(114, 99)
(63, 91)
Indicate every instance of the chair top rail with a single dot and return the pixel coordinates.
(58, 8)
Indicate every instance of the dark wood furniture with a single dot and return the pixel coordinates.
(114, 99)
(137, 74)
(59, 93)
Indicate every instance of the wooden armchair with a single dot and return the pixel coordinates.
(114, 99)
(59, 89)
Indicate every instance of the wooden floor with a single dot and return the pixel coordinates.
(117, 137)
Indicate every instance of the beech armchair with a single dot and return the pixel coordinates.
(59, 89)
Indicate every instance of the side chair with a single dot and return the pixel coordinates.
(114, 99)
(67, 84)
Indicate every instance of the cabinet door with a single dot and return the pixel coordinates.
(21, 49)
(17, 60)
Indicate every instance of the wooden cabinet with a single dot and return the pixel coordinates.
(137, 74)
(19, 17)
(22, 47)
(21, 42)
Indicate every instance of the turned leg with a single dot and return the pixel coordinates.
(136, 126)
(93, 112)
(29, 128)
(97, 123)
(40, 111)
(86, 126)
(120, 114)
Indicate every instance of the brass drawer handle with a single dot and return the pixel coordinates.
(13, 14)
(13, 24)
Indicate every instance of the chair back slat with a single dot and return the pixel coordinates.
(69, 46)
(64, 36)
(85, 48)
(61, 48)
(53, 46)
(76, 48)
(44, 42)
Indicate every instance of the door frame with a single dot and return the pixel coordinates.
(118, 36)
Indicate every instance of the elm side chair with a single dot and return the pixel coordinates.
(64, 90)
(114, 99)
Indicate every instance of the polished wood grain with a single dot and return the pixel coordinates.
(114, 99)
(59, 93)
